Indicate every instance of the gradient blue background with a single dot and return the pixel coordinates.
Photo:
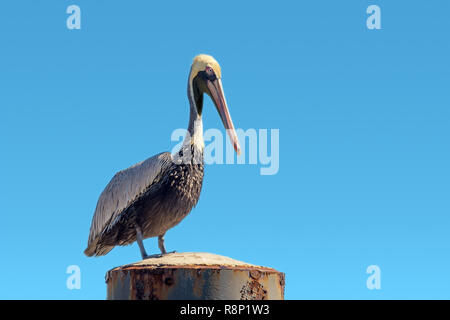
(364, 138)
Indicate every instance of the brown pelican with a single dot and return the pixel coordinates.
(154, 195)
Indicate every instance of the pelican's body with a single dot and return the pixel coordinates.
(153, 196)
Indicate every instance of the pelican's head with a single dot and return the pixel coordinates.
(205, 77)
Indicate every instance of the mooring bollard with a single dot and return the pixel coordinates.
(194, 276)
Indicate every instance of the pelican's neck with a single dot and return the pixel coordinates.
(194, 135)
(191, 152)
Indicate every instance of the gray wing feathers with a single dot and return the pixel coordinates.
(124, 188)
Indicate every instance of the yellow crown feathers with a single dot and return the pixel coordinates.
(201, 62)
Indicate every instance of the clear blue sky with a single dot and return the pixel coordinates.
(364, 138)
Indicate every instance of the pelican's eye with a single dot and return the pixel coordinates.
(210, 73)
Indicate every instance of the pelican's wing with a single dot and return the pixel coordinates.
(124, 188)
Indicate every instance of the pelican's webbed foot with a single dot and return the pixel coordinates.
(157, 255)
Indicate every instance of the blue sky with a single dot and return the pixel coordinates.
(364, 138)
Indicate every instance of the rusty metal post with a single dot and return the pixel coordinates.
(194, 276)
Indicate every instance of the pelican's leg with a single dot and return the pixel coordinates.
(139, 239)
(161, 244)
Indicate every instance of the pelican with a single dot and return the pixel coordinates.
(154, 195)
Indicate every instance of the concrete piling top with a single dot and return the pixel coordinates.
(197, 259)
(194, 275)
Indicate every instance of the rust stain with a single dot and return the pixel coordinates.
(281, 284)
(255, 274)
(197, 288)
(144, 285)
(169, 281)
(253, 290)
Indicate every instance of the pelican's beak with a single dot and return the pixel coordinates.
(216, 89)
